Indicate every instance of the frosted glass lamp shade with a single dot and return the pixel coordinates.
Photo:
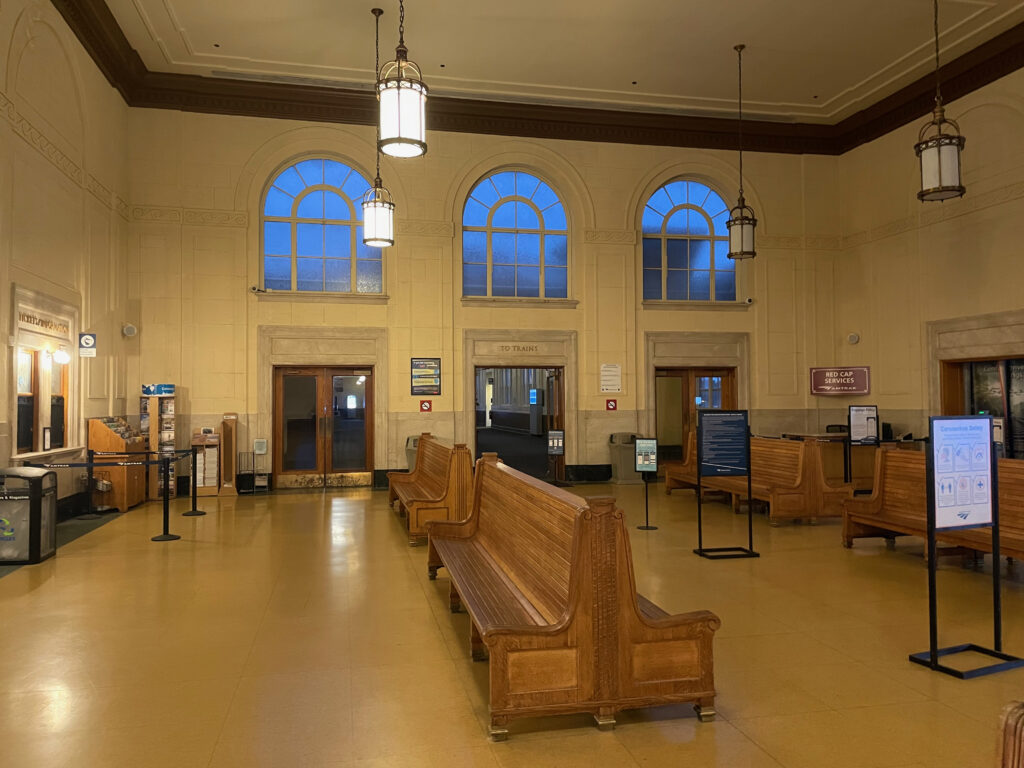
(403, 104)
(741, 225)
(378, 217)
(940, 165)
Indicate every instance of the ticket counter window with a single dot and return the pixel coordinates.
(42, 379)
(26, 401)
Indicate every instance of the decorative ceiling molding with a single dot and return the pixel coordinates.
(97, 29)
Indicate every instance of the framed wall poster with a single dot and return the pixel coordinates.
(426, 376)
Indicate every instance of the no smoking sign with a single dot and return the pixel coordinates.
(611, 405)
(426, 406)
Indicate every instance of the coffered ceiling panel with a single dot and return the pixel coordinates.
(806, 61)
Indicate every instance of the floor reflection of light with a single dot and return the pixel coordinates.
(57, 713)
(341, 529)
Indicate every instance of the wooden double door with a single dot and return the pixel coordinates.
(678, 394)
(323, 427)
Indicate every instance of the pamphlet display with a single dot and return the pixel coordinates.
(723, 450)
(646, 454)
(863, 422)
(962, 493)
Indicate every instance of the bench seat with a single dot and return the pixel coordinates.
(437, 488)
(898, 506)
(547, 580)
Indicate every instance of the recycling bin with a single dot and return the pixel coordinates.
(28, 515)
(623, 451)
(412, 444)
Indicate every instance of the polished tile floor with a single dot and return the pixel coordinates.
(300, 630)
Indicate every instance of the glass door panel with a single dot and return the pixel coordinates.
(299, 434)
(349, 428)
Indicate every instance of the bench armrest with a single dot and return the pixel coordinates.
(451, 529)
(702, 620)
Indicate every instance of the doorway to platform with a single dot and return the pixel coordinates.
(678, 393)
(323, 427)
(515, 410)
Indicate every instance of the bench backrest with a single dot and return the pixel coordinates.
(776, 462)
(900, 481)
(1011, 741)
(432, 460)
(527, 527)
(1011, 498)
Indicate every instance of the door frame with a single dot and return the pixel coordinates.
(325, 376)
(689, 375)
(699, 349)
(488, 348)
(322, 347)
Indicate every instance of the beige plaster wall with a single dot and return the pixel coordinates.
(152, 217)
(63, 210)
(905, 264)
(196, 182)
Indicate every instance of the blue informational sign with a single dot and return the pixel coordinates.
(646, 451)
(962, 459)
(533, 397)
(722, 443)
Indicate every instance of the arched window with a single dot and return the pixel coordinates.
(685, 243)
(514, 239)
(312, 232)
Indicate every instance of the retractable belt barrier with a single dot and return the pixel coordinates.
(164, 461)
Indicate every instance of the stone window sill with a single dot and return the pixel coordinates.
(492, 302)
(702, 306)
(304, 296)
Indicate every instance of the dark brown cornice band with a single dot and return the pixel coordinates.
(98, 31)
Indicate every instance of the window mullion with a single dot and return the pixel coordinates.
(295, 254)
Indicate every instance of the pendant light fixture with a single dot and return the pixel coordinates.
(741, 223)
(939, 145)
(378, 207)
(403, 99)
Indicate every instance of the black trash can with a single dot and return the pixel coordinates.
(28, 515)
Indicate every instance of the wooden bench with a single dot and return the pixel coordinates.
(547, 579)
(683, 474)
(438, 488)
(787, 474)
(898, 506)
(1011, 736)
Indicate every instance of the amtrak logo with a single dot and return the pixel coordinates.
(963, 515)
(6, 529)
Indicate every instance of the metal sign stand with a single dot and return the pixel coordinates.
(848, 446)
(930, 658)
(724, 553)
(647, 509)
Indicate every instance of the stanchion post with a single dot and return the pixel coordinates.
(195, 511)
(91, 512)
(165, 470)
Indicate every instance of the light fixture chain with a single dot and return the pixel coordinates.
(739, 56)
(938, 91)
(377, 12)
(401, 22)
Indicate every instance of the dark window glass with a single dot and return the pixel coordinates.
(309, 275)
(555, 283)
(277, 273)
(675, 284)
(652, 284)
